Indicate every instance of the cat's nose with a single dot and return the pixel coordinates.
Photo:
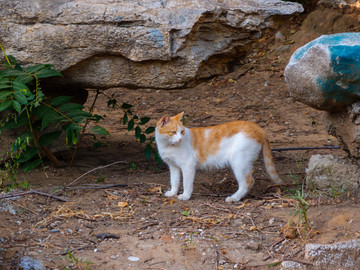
(180, 139)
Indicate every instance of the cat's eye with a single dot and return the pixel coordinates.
(183, 132)
(172, 132)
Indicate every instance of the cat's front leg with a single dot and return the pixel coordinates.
(174, 181)
(188, 183)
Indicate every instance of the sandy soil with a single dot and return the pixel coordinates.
(133, 226)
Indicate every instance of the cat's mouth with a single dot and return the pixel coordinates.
(176, 143)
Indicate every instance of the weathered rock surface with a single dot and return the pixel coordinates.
(341, 255)
(325, 73)
(339, 3)
(345, 126)
(327, 171)
(151, 43)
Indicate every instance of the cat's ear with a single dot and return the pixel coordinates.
(164, 120)
(179, 117)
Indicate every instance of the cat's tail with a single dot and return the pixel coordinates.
(269, 162)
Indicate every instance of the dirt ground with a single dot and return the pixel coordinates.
(132, 225)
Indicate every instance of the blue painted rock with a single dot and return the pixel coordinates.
(325, 73)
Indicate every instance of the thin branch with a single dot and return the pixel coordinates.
(97, 168)
(32, 191)
(306, 148)
(99, 187)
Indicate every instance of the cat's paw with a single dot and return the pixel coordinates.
(184, 197)
(231, 199)
(170, 193)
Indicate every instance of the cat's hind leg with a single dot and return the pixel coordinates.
(175, 174)
(245, 182)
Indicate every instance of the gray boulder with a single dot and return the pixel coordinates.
(325, 73)
(329, 172)
(340, 255)
(151, 43)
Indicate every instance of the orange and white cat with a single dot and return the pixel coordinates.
(235, 144)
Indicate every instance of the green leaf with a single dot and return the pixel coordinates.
(21, 98)
(12, 73)
(144, 120)
(185, 213)
(24, 78)
(25, 137)
(72, 134)
(16, 105)
(125, 119)
(28, 154)
(142, 138)
(31, 165)
(99, 130)
(36, 68)
(5, 83)
(4, 94)
(49, 138)
(19, 86)
(5, 104)
(131, 124)
(50, 117)
(44, 73)
(137, 132)
(111, 103)
(157, 158)
(77, 116)
(126, 106)
(5, 86)
(13, 61)
(68, 107)
(149, 130)
(21, 121)
(148, 151)
(60, 100)
(41, 111)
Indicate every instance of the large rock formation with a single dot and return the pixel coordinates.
(151, 43)
(325, 73)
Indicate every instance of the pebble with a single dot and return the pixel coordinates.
(271, 221)
(253, 246)
(133, 259)
(28, 263)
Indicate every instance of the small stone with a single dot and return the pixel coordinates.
(289, 231)
(253, 246)
(271, 220)
(133, 259)
(292, 265)
(28, 263)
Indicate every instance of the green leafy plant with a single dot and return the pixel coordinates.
(76, 263)
(24, 107)
(136, 123)
(301, 210)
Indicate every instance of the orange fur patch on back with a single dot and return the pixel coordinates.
(206, 140)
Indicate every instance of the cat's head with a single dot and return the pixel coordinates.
(171, 129)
